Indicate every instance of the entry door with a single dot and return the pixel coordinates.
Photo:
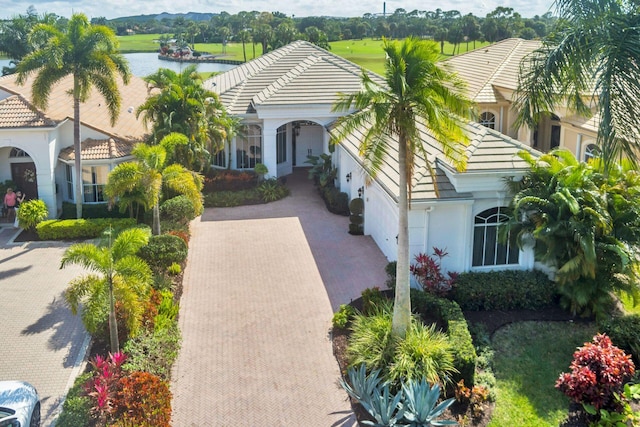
(24, 176)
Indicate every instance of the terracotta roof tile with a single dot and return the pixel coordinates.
(93, 112)
(16, 112)
(99, 149)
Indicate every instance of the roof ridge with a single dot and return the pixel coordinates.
(287, 77)
(507, 59)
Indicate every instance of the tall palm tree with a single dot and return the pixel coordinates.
(87, 52)
(590, 63)
(148, 175)
(417, 90)
(116, 273)
(183, 105)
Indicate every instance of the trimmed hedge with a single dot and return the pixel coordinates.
(60, 229)
(457, 330)
(92, 210)
(624, 332)
(163, 250)
(504, 290)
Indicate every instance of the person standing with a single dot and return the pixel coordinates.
(10, 204)
(19, 199)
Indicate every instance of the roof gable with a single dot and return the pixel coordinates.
(497, 65)
(16, 112)
(299, 73)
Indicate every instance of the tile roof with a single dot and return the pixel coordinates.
(93, 112)
(300, 73)
(16, 112)
(99, 149)
(492, 67)
(488, 151)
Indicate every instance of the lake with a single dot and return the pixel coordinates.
(143, 64)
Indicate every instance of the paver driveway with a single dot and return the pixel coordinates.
(260, 288)
(42, 342)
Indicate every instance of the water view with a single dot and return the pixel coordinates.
(143, 64)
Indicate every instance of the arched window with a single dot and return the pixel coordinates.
(488, 119)
(249, 147)
(487, 250)
(591, 151)
(17, 152)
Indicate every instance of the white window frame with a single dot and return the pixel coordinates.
(488, 221)
(488, 119)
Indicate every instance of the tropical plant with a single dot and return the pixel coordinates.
(577, 217)
(116, 273)
(103, 385)
(599, 370)
(589, 63)
(417, 92)
(31, 213)
(146, 177)
(182, 105)
(356, 219)
(428, 272)
(87, 52)
(421, 408)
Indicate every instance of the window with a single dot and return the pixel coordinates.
(281, 144)
(249, 147)
(220, 158)
(69, 178)
(488, 119)
(591, 151)
(94, 179)
(487, 250)
(17, 152)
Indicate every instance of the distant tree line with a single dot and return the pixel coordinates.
(271, 30)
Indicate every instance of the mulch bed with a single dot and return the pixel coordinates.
(492, 321)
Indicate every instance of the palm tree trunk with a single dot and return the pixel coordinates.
(402, 303)
(113, 322)
(156, 219)
(77, 149)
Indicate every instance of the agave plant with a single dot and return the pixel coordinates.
(362, 385)
(420, 408)
(385, 408)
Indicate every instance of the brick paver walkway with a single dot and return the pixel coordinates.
(42, 342)
(260, 288)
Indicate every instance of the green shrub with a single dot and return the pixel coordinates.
(174, 269)
(457, 329)
(162, 251)
(92, 210)
(162, 282)
(343, 316)
(356, 208)
(168, 226)
(371, 341)
(373, 300)
(153, 351)
(57, 229)
(504, 290)
(390, 269)
(32, 212)
(271, 190)
(424, 353)
(76, 410)
(178, 209)
(227, 199)
(624, 332)
(337, 202)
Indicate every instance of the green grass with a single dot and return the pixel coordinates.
(366, 53)
(529, 357)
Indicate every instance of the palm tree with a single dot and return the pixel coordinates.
(148, 175)
(417, 90)
(183, 105)
(87, 52)
(589, 64)
(116, 273)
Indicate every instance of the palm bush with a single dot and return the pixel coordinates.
(371, 342)
(31, 213)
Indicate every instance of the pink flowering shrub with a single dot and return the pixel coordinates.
(598, 370)
(104, 384)
(428, 273)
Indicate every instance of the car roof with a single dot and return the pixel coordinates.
(15, 394)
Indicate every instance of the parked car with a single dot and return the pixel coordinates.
(19, 404)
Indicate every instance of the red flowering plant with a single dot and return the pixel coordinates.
(428, 272)
(599, 371)
(104, 384)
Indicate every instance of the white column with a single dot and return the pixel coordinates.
(269, 155)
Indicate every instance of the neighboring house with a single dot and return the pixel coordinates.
(36, 147)
(285, 98)
(491, 74)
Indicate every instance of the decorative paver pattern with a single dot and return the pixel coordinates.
(260, 289)
(42, 342)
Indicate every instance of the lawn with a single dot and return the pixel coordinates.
(366, 53)
(529, 357)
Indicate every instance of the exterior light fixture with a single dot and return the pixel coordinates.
(348, 177)
(296, 128)
(360, 191)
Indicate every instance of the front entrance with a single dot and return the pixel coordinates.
(24, 176)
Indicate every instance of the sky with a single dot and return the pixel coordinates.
(117, 8)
